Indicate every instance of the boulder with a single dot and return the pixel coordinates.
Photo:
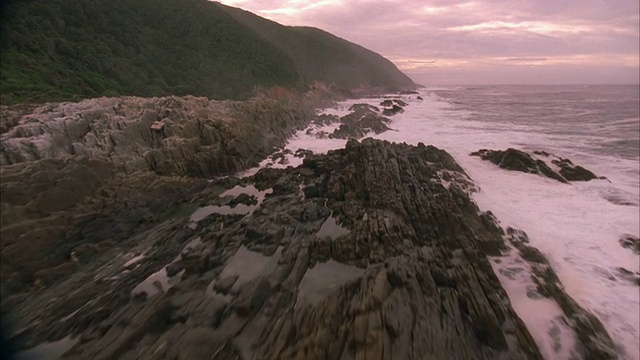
(395, 109)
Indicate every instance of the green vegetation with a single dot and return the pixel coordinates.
(54, 50)
(66, 49)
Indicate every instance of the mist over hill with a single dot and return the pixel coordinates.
(324, 57)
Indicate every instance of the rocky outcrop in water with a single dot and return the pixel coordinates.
(517, 160)
(630, 242)
(373, 251)
(392, 107)
(593, 340)
(362, 120)
(567, 169)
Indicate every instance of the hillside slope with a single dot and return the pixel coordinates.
(324, 57)
(74, 49)
(61, 49)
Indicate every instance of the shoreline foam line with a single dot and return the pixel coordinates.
(436, 121)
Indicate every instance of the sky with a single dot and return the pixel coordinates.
(483, 41)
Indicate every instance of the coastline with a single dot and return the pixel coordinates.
(198, 191)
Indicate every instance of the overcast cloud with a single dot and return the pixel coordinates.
(484, 41)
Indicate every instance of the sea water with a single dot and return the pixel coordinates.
(576, 226)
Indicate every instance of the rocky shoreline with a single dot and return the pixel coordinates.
(93, 173)
(372, 251)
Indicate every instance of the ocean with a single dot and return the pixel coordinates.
(576, 226)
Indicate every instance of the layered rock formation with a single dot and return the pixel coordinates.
(373, 251)
(392, 107)
(98, 170)
(362, 120)
(169, 136)
(517, 160)
(593, 340)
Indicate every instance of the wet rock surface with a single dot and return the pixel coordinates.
(392, 107)
(629, 275)
(373, 251)
(630, 242)
(366, 252)
(79, 178)
(593, 341)
(363, 119)
(562, 170)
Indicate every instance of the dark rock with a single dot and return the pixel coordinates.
(251, 296)
(174, 268)
(408, 92)
(325, 119)
(84, 252)
(302, 153)
(629, 275)
(543, 153)
(361, 121)
(573, 172)
(592, 336)
(224, 285)
(199, 343)
(392, 111)
(363, 108)
(395, 279)
(630, 242)
(513, 159)
(245, 199)
(182, 235)
(279, 158)
(408, 275)
(226, 182)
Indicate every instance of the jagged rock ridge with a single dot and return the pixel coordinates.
(390, 224)
(89, 172)
(145, 264)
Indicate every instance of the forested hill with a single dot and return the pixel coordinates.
(73, 49)
(325, 57)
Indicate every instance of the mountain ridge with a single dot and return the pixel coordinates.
(293, 41)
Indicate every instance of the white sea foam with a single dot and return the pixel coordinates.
(575, 226)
